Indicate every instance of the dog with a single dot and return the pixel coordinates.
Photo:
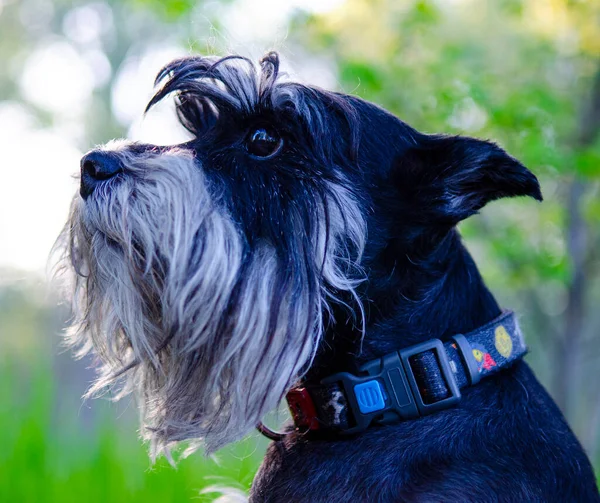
(303, 243)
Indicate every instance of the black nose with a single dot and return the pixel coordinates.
(97, 166)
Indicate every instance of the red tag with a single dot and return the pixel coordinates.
(302, 409)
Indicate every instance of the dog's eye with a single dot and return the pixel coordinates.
(263, 143)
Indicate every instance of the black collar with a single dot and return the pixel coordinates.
(406, 384)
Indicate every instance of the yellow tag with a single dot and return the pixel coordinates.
(503, 342)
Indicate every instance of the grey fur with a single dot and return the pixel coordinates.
(156, 259)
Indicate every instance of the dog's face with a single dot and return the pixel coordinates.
(206, 273)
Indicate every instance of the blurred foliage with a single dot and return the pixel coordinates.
(520, 72)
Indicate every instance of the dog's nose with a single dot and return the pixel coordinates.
(97, 166)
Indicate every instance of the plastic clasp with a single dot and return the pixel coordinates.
(442, 358)
(390, 391)
(466, 353)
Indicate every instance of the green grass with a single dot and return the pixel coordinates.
(50, 452)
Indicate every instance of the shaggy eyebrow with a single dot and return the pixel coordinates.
(208, 87)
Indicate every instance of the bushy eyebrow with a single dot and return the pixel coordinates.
(207, 87)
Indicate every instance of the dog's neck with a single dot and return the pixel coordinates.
(436, 295)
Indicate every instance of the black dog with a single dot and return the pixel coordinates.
(309, 235)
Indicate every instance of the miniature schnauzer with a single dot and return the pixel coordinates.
(304, 244)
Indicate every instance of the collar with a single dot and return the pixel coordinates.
(409, 383)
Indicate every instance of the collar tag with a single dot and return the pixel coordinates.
(302, 409)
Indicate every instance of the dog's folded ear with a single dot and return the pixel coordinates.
(445, 179)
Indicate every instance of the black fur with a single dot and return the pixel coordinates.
(506, 441)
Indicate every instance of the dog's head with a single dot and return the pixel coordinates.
(206, 273)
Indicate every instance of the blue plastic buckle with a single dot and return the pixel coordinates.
(389, 391)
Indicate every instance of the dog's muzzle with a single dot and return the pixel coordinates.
(97, 166)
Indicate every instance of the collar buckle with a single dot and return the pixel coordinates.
(391, 391)
(443, 361)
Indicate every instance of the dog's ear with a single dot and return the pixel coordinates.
(445, 179)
